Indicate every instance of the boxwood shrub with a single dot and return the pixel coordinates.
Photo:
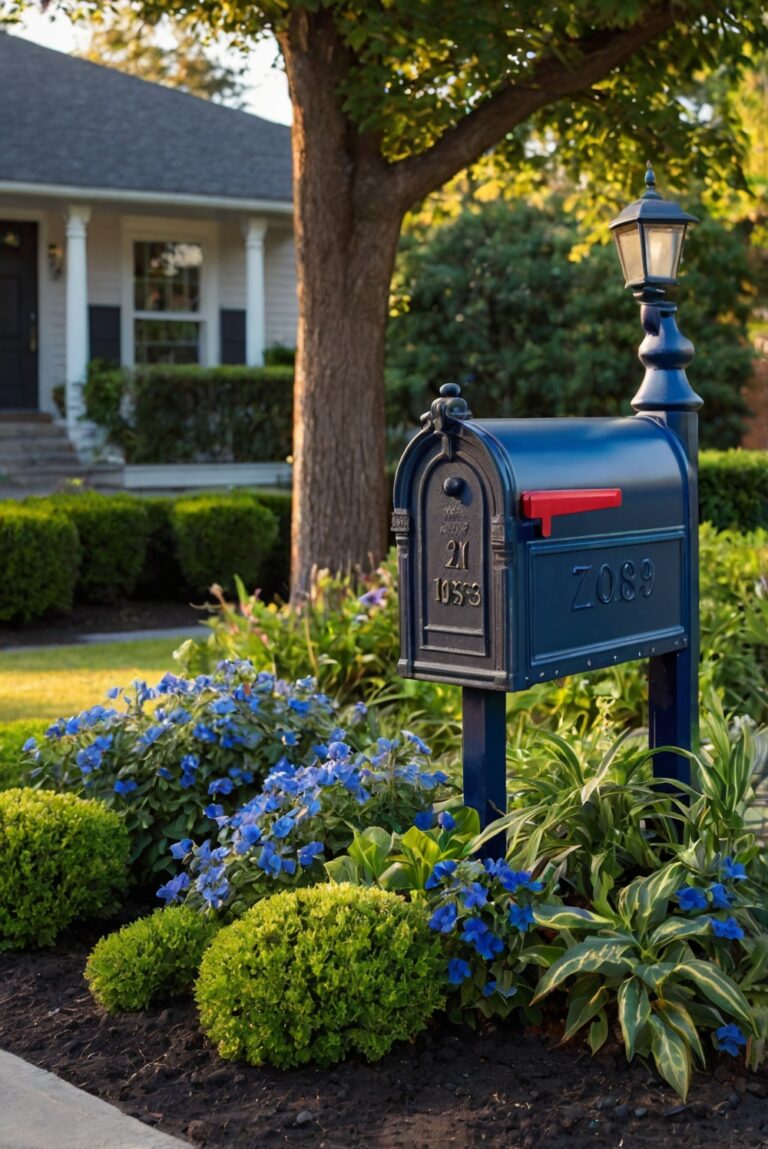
(150, 960)
(39, 558)
(61, 858)
(313, 974)
(276, 574)
(733, 489)
(219, 536)
(113, 532)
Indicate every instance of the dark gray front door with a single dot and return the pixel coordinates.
(18, 316)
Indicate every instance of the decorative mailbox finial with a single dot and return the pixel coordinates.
(450, 405)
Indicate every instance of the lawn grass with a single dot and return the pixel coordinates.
(60, 681)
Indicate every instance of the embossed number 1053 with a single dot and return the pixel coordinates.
(607, 584)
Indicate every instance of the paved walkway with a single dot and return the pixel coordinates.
(180, 632)
(40, 1111)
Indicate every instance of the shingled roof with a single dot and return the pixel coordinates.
(68, 122)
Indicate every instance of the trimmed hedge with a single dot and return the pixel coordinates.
(188, 414)
(113, 531)
(275, 581)
(220, 536)
(733, 489)
(61, 858)
(39, 561)
(13, 735)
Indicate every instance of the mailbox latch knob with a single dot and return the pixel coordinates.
(545, 505)
(453, 486)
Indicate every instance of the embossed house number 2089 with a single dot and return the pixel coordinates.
(454, 591)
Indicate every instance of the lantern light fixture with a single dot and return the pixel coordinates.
(649, 236)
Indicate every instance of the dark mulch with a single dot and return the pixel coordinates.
(503, 1088)
(89, 619)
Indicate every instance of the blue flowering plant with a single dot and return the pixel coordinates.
(302, 817)
(485, 913)
(172, 756)
(664, 956)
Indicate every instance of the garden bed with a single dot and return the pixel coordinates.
(499, 1088)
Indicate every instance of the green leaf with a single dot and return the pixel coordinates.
(674, 928)
(589, 955)
(677, 1016)
(586, 999)
(371, 849)
(718, 988)
(656, 974)
(671, 1054)
(598, 1031)
(634, 1012)
(567, 918)
(343, 869)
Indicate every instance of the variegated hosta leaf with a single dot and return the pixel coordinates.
(590, 955)
(586, 999)
(598, 1031)
(674, 928)
(655, 975)
(567, 918)
(718, 988)
(678, 1017)
(634, 1012)
(671, 1054)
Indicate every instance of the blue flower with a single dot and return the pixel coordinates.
(689, 898)
(171, 892)
(359, 712)
(424, 820)
(417, 742)
(72, 726)
(729, 1038)
(30, 744)
(446, 820)
(214, 811)
(374, 597)
(113, 692)
(721, 898)
(220, 786)
(458, 971)
(441, 872)
(180, 849)
(521, 918)
(492, 987)
(734, 871)
(486, 942)
(474, 896)
(125, 786)
(164, 772)
(222, 706)
(444, 919)
(730, 928)
(203, 733)
(338, 751)
(299, 705)
(150, 735)
(190, 762)
(308, 853)
(283, 826)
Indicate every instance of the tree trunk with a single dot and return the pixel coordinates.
(346, 241)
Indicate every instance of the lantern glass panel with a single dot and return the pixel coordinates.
(663, 248)
(630, 253)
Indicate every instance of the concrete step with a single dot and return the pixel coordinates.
(15, 431)
(23, 460)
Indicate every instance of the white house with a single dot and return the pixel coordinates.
(137, 224)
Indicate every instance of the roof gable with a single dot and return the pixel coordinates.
(73, 123)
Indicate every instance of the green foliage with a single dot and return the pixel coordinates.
(13, 736)
(113, 532)
(733, 489)
(220, 536)
(314, 974)
(150, 960)
(30, 582)
(275, 576)
(160, 576)
(496, 296)
(177, 749)
(61, 859)
(187, 414)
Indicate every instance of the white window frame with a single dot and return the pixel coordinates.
(138, 229)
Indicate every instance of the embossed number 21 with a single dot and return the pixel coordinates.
(457, 554)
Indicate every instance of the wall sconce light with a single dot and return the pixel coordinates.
(55, 260)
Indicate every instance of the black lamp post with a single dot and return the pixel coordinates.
(649, 236)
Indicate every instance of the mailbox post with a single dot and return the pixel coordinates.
(529, 549)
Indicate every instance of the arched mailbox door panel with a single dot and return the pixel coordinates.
(534, 548)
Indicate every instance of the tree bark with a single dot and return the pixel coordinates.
(346, 240)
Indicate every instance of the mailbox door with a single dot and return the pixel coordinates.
(454, 610)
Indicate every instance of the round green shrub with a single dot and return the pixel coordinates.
(150, 960)
(61, 858)
(113, 532)
(219, 536)
(313, 974)
(39, 559)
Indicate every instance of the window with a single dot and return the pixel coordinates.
(166, 300)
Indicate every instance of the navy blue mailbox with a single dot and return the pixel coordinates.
(530, 549)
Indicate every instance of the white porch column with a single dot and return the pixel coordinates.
(255, 306)
(77, 316)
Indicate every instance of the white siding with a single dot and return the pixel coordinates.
(280, 277)
(104, 282)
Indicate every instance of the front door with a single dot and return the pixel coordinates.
(18, 316)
